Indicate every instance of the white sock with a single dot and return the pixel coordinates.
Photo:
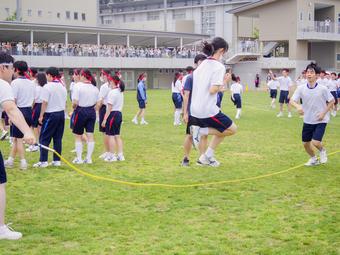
(204, 131)
(209, 152)
(79, 149)
(22, 160)
(238, 112)
(143, 119)
(177, 116)
(90, 149)
(135, 118)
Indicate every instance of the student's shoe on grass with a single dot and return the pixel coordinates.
(3, 135)
(9, 163)
(41, 164)
(88, 161)
(77, 161)
(279, 115)
(196, 137)
(23, 164)
(323, 156)
(143, 122)
(206, 161)
(135, 121)
(110, 158)
(312, 162)
(120, 158)
(8, 233)
(55, 163)
(103, 156)
(289, 115)
(185, 162)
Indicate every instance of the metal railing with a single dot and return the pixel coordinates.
(325, 27)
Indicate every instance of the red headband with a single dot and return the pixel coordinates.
(87, 76)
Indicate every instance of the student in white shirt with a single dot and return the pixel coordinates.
(177, 98)
(23, 91)
(208, 79)
(85, 98)
(285, 86)
(113, 118)
(52, 116)
(7, 105)
(236, 90)
(322, 80)
(317, 102)
(333, 87)
(273, 85)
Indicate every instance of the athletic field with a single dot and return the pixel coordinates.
(60, 211)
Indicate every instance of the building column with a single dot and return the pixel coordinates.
(66, 42)
(128, 41)
(181, 42)
(98, 44)
(165, 15)
(32, 40)
(156, 41)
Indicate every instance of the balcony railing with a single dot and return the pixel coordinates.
(324, 27)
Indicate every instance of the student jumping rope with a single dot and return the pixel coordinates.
(23, 91)
(177, 98)
(7, 104)
(317, 102)
(84, 100)
(208, 79)
(141, 99)
(52, 117)
(186, 114)
(236, 91)
(113, 118)
(273, 85)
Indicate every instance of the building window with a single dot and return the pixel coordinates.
(75, 16)
(39, 13)
(338, 57)
(29, 12)
(58, 15)
(68, 14)
(301, 16)
(208, 22)
(153, 16)
(83, 17)
(339, 18)
(309, 16)
(108, 22)
(178, 14)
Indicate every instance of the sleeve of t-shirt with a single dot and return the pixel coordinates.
(110, 97)
(45, 95)
(178, 85)
(297, 95)
(218, 77)
(188, 83)
(329, 96)
(6, 92)
(75, 93)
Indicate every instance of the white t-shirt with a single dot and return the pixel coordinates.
(332, 85)
(104, 92)
(236, 88)
(86, 94)
(6, 93)
(285, 83)
(314, 101)
(116, 99)
(23, 92)
(177, 88)
(209, 73)
(273, 84)
(55, 94)
(323, 82)
(37, 94)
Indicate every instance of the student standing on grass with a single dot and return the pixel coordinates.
(23, 92)
(84, 101)
(113, 118)
(273, 85)
(52, 117)
(317, 102)
(7, 105)
(141, 99)
(187, 117)
(101, 106)
(285, 85)
(333, 87)
(177, 99)
(236, 91)
(208, 79)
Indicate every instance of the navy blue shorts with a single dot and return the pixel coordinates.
(141, 104)
(3, 176)
(220, 122)
(5, 117)
(192, 121)
(219, 99)
(273, 93)
(84, 119)
(237, 100)
(313, 131)
(27, 112)
(36, 114)
(338, 93)
(284, 97)
(335, 97)
(113, 123)
(102, 112)
(178, 100)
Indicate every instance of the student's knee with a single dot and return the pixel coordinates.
(306, 144)
(231, 130)
(316, 143)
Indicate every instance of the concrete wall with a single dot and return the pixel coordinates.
(324, 54)
(185, 26)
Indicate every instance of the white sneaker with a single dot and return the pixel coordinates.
(279, 115)
(3, 135)
(6, 232)
(237, 117)
(203, 160)
(312, 162)
(88, 161)
(103, 156)
(55, 163)
(121, 158)
(32, 148)
(289, 115)
(196, 136)
(23, 165)
(111, 158)
(8, 163)
(323, 156)
(143, 122)
(135, 121)
(77, 161)
(41, 164)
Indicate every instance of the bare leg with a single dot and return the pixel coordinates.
(309, 149)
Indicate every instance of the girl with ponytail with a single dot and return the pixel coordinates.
(141, 98)
(177, 97)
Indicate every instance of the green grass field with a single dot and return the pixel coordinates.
(61, 212)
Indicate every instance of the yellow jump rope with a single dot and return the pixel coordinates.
(164, 185)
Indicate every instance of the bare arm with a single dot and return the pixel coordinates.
(42, 112)
(107, 113)
(185, 107)
(297, 106)
(322, 115)
(75, 103)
